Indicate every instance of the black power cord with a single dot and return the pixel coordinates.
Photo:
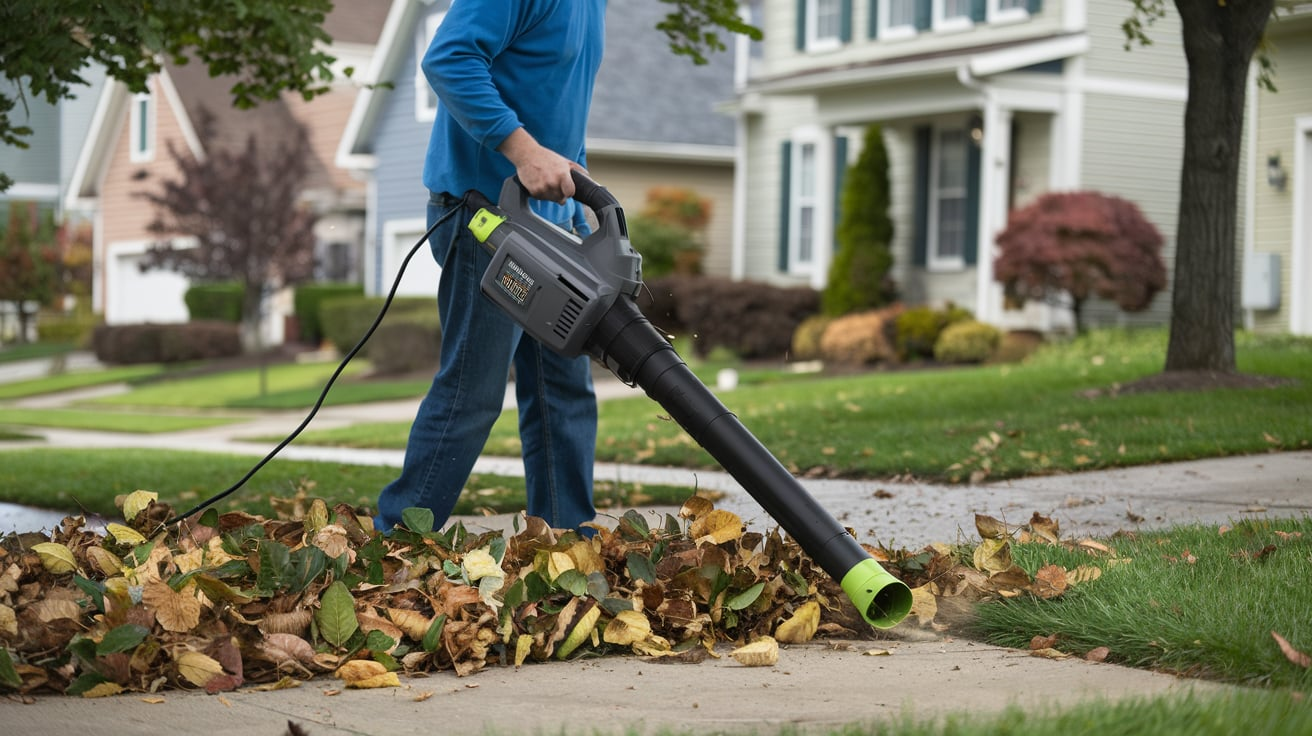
(459, 206)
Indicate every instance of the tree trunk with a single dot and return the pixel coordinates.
(1219, 41)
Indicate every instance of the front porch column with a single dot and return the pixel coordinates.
(995, 176)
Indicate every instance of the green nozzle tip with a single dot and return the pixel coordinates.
(882, 599)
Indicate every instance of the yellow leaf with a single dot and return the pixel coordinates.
(695, 508)
(801, 626)
(479, 563)
(1049, 654)
(581, 631)
(523, 645)
(125, 534)
(387, 679)
(763, 652)
(627, 628)
(136, 502)
(924, 606)
(717, 527)
(102, 690)
(993, 555)
(197, 668)
(174, 610)
(876, 653)
(56, 558)
(356, 670)
(105, 561)
(989, 527)
(558, 562)
(413, 623)
(8, 621)
(1083, 574)
(586, 558)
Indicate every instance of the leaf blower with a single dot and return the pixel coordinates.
(576, 296)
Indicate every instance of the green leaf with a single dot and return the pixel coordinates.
(597, 586)
(633, 525)
(85, 682)
(640, 568)
(123, 638)
(275, 558)
(305, 566)
(745, 598)
(433, 636)
(336, 615)
(8, 674)
(418, 519)
(516, 594)
(210, 518)
(92, 588)
(377, 641)
(573, 582)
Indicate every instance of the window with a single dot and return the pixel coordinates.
(947, 200)
(824, 24)
(141, 128)
(425, 98)
(803, 254)
(951, 15)
(897, 19)
(1008, 10)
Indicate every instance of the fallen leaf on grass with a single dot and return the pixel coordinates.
(1050, 581)
(1300, 659)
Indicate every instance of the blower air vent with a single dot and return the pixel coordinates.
(569, 315)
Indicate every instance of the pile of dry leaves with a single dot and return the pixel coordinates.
(234, 599)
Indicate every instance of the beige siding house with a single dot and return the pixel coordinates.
(1276, 290)
(984, 105)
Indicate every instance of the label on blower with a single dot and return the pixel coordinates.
(515, 281)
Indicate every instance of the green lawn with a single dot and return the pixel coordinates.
(77, 379)
(110, 421)
(995, 421)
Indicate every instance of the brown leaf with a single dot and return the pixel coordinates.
(717, 527)
(993, 555)
(990, 528)
(763, 652)
(1044, 528)
(696, 507)
(177, 611)
(1049, 654)
(1097, 654)
(1043, 642)
(1050, 581)
(801, 626)
(1300, 659)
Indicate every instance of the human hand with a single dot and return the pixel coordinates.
(543, 172)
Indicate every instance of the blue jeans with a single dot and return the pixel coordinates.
(557, 406)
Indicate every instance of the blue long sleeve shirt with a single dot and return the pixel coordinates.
(498, 65)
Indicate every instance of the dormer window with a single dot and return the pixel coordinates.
(141, 129)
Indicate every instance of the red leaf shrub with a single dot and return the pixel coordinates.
(1083, 244)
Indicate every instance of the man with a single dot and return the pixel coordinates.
(514, 84)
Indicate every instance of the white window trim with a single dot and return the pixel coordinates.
(944, 24)
(816, 44)
(888, 32)
(933, 261)
(137, 126)
(424, 112)
(999, 14)
(820, 202)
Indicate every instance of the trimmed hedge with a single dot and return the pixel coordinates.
(308, 300)
(967, 342)
(861, 338)
(405, 347)
(918, 329)
(165, 343)
(219, 302)
(345, 319)
(753, 319)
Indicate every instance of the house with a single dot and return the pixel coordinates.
(653, 122)
(126, 150)
(1276, 288)
(984, 104)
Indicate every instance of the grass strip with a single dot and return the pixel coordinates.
(76, 380)
(105, 421)
(974, 423)
(91, 479)
(1196, 600)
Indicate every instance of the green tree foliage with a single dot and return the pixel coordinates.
(29, 260)
(268, 46)
(858, 276)
(693, 26)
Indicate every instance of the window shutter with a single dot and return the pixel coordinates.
(801, 25)
(979, 10)
(920, 243)
(924, 15)
(845, 22)
(872, 26)
(785, 204)
(1034, 6)
(970, 252)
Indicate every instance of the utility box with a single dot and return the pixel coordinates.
(1261, 286)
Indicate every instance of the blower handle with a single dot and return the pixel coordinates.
(586, 192)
